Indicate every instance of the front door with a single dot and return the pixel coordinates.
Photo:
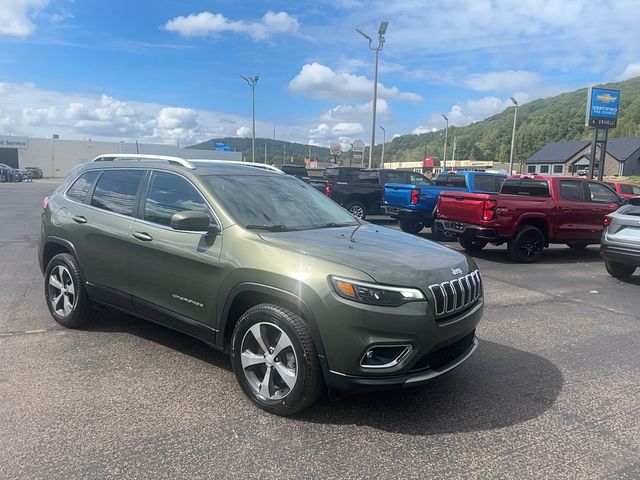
(174, 272)
(602, 202)
(574, 214)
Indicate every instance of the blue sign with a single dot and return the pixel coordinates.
(602, 107)
(221, 147)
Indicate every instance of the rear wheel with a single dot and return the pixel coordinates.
(358, 210)
(65, 294)
(577, 245)
(275, 361)
(527, 246)
(472, 244)
(619, 270)
(411, 226)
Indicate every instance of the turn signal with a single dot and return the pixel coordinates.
(45, 203)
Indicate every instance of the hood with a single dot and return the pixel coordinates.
(388, 256)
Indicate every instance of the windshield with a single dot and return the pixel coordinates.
(276, 203)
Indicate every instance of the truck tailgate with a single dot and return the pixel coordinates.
(462, 206)
(398, 194)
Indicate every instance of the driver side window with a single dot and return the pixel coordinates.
(169, 194)
(601, 194)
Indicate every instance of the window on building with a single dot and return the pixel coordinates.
(531, 169)
(544, 168)
(78, 191)
(169, 194)
(116, 190)
(558, 168)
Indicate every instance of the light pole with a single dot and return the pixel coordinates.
(446, 136)
(381, 32)
(513, 135)
(384, 140)
(251, 81)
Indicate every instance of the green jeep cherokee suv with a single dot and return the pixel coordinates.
(261, 265)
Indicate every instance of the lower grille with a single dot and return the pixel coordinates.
(445, 355)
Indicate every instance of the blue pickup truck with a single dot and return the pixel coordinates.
(415, 205)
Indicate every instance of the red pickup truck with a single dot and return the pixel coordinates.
(528, 214)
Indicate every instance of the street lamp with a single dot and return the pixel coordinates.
(384, 140)
(251, 81)
(446, 135)
(513, 135)
(381, 32)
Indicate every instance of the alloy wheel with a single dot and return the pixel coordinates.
(269, 361)
(62, 292)
(357, 211)
(531, 245)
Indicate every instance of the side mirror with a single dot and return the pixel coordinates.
(193, 221)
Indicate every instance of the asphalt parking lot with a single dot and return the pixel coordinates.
(552, 392)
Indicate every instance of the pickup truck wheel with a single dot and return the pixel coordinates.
(472, 244)
(357, 210)
(619, 270)
(527, 245)
(275, 361)
(411, 226)
(577, 245)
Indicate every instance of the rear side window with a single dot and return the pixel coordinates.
(571, 190)
(394, 177)
(534, 188)
(116, 190)
(169, 194)
(629, 189)
(368, 177)
(78, 191)
(451, 180)
(417, 179)
(510, 187)
(488, 183)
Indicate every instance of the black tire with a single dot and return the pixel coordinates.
(577, 245)
(527, 245)
(67, 299)
(411, 226)
(473, 245)
(619, 270)
(357, 209)
(308, 378)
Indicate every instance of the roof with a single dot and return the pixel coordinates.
(557, 152)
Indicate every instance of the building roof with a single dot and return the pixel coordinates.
(557, 152)
(560, 152)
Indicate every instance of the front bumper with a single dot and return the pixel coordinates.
(467, 230)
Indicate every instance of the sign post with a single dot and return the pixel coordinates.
(336, 150)
(602, 114)
(357, 152)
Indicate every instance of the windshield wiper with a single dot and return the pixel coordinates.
(336, 224)
(269, 228)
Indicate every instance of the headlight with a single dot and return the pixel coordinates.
(374, 294)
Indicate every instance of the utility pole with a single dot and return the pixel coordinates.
(384, 140)
(446, 134)
(513, 135)
(265, 151)
(251, 81)
(454, 150)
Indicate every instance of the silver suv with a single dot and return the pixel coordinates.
(621, 240)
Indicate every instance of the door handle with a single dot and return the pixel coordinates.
(79, 219)
(145, 237)
(459, 198)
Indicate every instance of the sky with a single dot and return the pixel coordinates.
(169, 71)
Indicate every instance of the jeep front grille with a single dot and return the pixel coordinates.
(456, 295)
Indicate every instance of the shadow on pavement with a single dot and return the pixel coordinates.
(497, 387)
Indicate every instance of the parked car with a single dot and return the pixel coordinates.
(528, 214)
(360, 191)
(620, 245)
(415, 205)
(298, 171)
(625, 189)
(9, 173)
(36, 172)
(262, 266)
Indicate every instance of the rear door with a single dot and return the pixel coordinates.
(602, 202)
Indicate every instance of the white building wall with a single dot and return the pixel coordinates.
(57, 157)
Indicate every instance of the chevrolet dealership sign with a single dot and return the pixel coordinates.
(602, 107)
(7, 141)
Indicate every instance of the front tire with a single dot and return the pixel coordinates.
(275, 361)
(65, 293)
(473, 245)
(527, 246)
(619, 270)
(411, 226)
(358, 210)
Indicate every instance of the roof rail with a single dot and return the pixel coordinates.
(143, 157)
(265, 166)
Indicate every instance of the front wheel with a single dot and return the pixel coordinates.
(275, 361)
(358, 210)
(473, 245)
(527, 245)
(411, 226)
(619, 270)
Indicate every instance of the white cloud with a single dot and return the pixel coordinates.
(632, 70)
(243, 132)
(508, 80)
(15, 16)
(351, 113)
(207, 24)
(319, 81)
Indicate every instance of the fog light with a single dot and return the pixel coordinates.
(385, 356)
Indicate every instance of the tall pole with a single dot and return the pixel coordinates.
(513, 135)
(384, 140)
(251, 81)
(265, 151)
(381, 32)
(446, 135)
(454, 150)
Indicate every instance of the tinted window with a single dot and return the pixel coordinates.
(536, 188)
(418, 179)
(78, 191)
(169, 194)
(451, 180)
(571, 190)
(441, 179)
(116, 190)
(368, 177)
(394, 177)
(601, 194)
(511, 187)
(294, 170)
(487, 183)
(630, 189)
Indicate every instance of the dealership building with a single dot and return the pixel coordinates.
(56, 157)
